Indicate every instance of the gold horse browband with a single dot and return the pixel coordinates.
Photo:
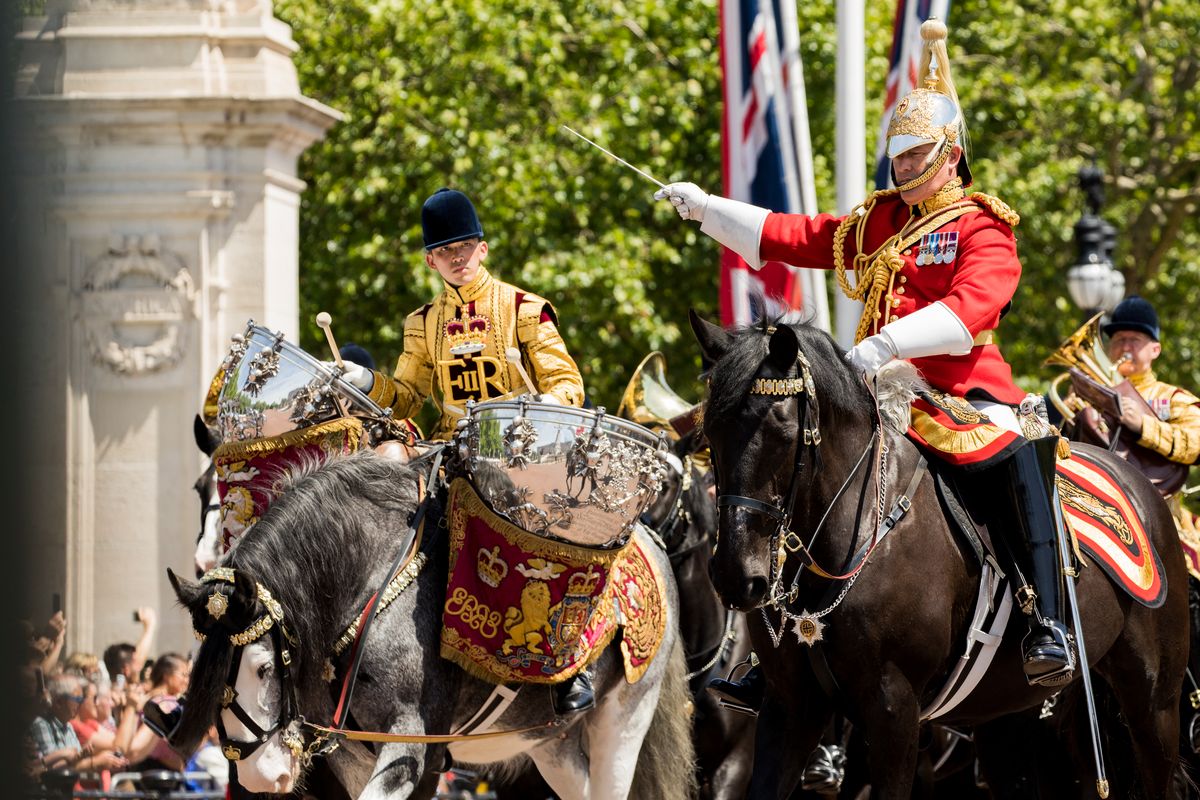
(218, 602)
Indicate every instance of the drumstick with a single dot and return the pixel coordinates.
(325, 322)
(514, 358)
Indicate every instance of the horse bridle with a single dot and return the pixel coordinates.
(270, 624)
(325, 739)
(784, 539)
(804, 390)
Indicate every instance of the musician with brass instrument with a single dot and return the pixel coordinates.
(1117, 402)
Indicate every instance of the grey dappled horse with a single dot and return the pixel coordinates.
(320, 550)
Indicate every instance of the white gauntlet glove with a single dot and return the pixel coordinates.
(356, 375)
(871, 353)
(930, 331)
(688, 198)
(736, 225)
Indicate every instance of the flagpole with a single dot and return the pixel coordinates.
(851, 137)
(816, 299)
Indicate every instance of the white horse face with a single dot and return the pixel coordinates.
(273, 768)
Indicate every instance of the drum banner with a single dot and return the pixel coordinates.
(247, 471)
(954, 431)
(1107, 528)
(522, 608)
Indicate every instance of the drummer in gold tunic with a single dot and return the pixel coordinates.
(457, 347)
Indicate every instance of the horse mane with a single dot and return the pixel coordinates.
(312, 549)
(839, 389)
(315, 523)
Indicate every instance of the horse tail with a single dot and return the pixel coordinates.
(666, 762)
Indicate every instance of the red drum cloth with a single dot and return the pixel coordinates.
(521, 608)
(248, 471)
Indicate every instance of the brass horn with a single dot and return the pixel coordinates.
(648, 399)
(1084, 351)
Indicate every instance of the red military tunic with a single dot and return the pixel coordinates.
(976, 284)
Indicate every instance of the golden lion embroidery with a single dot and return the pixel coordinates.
(527, 626)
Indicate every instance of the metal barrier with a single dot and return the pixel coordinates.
(151, 785)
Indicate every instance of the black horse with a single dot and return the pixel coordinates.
(889, 644)
(714, 638)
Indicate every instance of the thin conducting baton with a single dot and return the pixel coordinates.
(617, 158)
(1085, 673)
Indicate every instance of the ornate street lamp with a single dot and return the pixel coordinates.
(1093, 283)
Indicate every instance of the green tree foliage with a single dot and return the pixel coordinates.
(471, 94)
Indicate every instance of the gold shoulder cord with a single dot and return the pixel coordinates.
(876, 272)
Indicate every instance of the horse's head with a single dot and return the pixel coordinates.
(761, 420)
(242, 679)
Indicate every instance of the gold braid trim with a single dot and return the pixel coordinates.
(998, 207)
(876, 272)
(314, 434)
(395, 588)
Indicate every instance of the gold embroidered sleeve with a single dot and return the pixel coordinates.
(412, 381)
(551, 367)
(1179, 437)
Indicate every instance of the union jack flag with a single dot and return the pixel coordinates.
(764, 142)
(902, 76)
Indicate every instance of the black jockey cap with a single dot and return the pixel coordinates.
(356, 353)
(1133, 314)
(449, 217)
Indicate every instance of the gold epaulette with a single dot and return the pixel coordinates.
(529, 315)
(998, 207)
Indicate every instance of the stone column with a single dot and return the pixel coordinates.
(158, 143)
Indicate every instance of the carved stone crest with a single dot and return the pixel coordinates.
(135, 303)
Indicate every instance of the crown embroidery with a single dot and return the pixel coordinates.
(491, 567)
(467, 334)
(584, 583)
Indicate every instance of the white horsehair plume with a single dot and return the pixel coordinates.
(896, 386)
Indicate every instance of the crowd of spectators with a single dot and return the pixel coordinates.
(85, 712)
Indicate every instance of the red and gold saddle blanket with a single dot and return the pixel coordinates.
(521, 608)
(248, 471)
(1107, 528)
(954, 431)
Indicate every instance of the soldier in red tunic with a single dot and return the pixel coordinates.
(936, 269)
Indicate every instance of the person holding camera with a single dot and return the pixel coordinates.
(54, 739)
(124, 661)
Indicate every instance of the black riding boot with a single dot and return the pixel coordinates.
(745, 695)
(1047, 652)
(574, 695)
